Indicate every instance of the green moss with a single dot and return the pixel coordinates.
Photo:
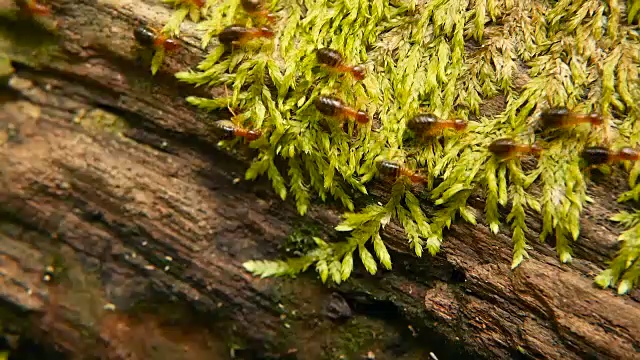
(97, 120)
(5, 68)
(353, 339)
(30, 41)
(421, 56)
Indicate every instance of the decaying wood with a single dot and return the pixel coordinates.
(113, 172)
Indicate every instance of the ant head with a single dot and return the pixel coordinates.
(627, 153)
(38, 9)
(171, 44)
(460, 125)
(536, 149)
(252, 135)
(595, 119)
(358, 72)
(267, 32)
(362, 117)
(199, 3)
(272, 18)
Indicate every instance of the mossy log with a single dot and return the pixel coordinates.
(124, 229)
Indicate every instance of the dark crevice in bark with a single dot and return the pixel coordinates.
(410, 335)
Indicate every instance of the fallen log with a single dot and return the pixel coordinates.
(124, 232)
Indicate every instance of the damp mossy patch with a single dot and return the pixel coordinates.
(354, 339)
(98, 120)
(30, 41)
(449, 58)
(6, 69)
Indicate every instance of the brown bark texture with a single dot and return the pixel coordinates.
(123, 232)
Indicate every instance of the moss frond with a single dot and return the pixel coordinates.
(624, 269)
(451, 58)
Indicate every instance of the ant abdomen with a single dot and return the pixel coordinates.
(144, 35)
(329, 105)
(32, 7)
(329, 57)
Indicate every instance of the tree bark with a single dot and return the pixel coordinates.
(124, 232)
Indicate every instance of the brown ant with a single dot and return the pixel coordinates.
(334, 60)
(34, 8)
(148, 36)
(226, 129)
(561, 117)
(239, 34)
(507, 148)
(256, 8)
(429, 125)
(332, 106)
(599, 155)
(394, 171)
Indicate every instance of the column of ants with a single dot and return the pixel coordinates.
(424, 125)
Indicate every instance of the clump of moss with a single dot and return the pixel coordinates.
(447, 57)
(624, 269)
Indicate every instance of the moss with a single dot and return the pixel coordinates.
(6, 69)
(447, 57)
(30, 41)
(353, 339)
(97, 120)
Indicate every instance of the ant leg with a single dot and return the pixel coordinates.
(154, 29)
(587, 170)
(507, 158)
(607, 133)
(234, 116)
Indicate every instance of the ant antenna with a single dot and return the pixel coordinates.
(235, 116)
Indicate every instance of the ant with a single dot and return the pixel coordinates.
(394, 171)
(599, 155)
(256, 8)
(333, 59)
(148, 36)
(239, 34)
(228, 129)
(430, 125)
(332, 106)
(507, 148)
(561, 117)
(34, 8)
